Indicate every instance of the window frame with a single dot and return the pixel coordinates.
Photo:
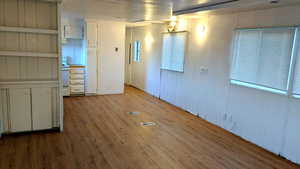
(292, 67)
(185, 50)
(137, 51)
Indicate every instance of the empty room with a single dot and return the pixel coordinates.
(149, 84)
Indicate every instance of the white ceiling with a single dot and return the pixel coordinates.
(140, 10)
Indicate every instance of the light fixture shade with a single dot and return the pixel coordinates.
(172, 26)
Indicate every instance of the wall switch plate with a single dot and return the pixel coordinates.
(203, 69)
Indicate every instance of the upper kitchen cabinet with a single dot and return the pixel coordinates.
(72, 29)
(91, 34)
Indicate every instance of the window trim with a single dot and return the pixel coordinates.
(185, 51)
(296, 96)
(264, 28)
(291, 76)
(258, 87)
(290, 82)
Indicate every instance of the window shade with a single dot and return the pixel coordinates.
(296, 87)
(173, 51)
(263, 56)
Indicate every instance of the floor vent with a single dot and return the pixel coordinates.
(148, 124)
(133, 113)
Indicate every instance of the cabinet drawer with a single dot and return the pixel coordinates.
(77, 76)
(77, 89)
(77, 71)
(77, 82)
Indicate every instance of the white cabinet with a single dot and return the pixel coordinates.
(73, 31)
(30, 59)
(28, 109)
(77, 80)
(91, 34)
(41, 108)
(20, 110)
(91, 75)
(91, 57)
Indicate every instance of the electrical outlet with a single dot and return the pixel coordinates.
(233, 126)
(230, 118)
(224, 116)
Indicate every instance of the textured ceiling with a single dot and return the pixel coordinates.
(141, 10)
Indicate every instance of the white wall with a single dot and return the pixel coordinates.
(111, 63)
(271, 121)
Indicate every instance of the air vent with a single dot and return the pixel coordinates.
(148, 124)
(133, 113)
(204, 7)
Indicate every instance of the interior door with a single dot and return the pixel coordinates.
(137, 65)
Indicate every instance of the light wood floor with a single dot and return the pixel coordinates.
(99, 134)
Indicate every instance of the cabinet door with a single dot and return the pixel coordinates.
(91, 71)
(41, 108)
(91, 34)
(20, 110)
(73, 31)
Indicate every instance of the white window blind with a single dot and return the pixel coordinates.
(173, 51)
(262, 57)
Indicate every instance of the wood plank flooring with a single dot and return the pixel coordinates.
(100, 134)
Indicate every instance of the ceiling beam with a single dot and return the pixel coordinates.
(204, 7)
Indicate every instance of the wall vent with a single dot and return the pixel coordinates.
(133, 113)
(148, 124)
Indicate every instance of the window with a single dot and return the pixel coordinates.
(262, 58)
(173, 51)
(296, 84)
(137, 51)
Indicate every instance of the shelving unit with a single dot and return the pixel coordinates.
(30, 59)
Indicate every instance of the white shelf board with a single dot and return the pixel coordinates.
(28, 83)
(59, 1)
(29, 54)
(27, 30)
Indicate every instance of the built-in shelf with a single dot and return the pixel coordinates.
(28, 54)
(27, 30)
(28, 83)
